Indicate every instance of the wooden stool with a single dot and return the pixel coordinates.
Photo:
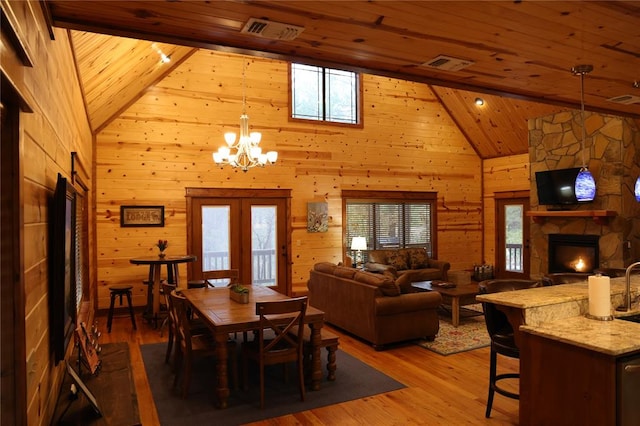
(120, 290)
(329, 341)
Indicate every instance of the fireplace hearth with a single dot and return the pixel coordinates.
(573, 253)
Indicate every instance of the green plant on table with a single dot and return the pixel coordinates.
(239, 288)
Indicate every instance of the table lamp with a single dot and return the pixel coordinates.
(358, 244)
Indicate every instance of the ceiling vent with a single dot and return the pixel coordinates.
(625, 99)
(271, 30)
(448, 63)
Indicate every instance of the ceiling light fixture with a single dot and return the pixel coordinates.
(248, 152)
(479, 101)
(164, 58)
(585, 186)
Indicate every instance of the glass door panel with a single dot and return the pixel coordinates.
(264, 240)
(514, 236)
(216, 241)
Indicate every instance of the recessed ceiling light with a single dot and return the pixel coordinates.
(479, 101)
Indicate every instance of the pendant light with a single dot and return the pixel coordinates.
(585, 186)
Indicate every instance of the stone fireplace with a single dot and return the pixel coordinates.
(612, 152)
(573, 253)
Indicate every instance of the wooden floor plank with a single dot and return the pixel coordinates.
(441, 390)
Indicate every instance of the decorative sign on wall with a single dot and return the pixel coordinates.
(141, 216)
(317, 217)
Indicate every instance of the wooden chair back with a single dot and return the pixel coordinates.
(280, 318)
(284, 343)
(183, 330)
(233, 275)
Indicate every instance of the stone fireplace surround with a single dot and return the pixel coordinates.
(612, 151)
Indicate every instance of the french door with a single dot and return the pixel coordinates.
(240, 229)
(512, 237)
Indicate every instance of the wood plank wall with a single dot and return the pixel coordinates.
(57, 126)
(500, 175)
(163, 143)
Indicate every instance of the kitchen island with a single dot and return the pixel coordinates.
(573, 370)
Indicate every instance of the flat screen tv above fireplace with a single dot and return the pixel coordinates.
(557, 187)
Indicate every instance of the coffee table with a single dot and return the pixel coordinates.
(455, 297)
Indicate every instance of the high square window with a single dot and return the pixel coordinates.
(325, 94)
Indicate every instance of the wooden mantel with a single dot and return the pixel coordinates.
(600, 217)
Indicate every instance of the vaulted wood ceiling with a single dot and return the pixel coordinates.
(522, 52)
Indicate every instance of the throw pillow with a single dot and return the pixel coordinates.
(398, 261)
(418, 259)
(326, 267)
(385, 284)
(344, 272)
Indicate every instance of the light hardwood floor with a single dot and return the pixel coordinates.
(441, 390)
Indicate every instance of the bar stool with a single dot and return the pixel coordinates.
(120, 290)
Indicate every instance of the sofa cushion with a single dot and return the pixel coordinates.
(326, 267)
(398, 259)
(386, 285)
(378, 256)
(344, 272)
(418, 258)
(378, 268)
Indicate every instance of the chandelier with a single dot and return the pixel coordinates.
(247, 153)
(585, 186)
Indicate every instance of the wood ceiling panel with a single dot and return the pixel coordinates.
(115, 71)
(522, 50)
(496, 129)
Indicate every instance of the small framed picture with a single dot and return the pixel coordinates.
(141, 216)
(317, 217)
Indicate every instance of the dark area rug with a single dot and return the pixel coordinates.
(354, 380)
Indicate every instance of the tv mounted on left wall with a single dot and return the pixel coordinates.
(62, 306)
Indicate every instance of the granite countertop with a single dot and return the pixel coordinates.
(552, 295)
(614, 338)
(558, 312)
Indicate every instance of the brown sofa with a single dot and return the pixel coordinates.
(372, 306)
(412, 264)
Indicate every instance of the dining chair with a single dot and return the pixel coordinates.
(190, 345)
(277, 319)
(171, 320)
(232, 275)
(557, 278)
(501, 334)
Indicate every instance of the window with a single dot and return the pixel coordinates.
(325, 94)
(390, 219)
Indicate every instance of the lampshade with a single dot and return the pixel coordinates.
(359, 243)
(585, 187)
(637, 191)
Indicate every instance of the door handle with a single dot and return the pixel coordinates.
(632, 368)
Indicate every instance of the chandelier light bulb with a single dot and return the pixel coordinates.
(256, 137)
(272, 157)
(230, 138)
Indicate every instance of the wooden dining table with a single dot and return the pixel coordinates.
(224, 316)
(155, 266)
